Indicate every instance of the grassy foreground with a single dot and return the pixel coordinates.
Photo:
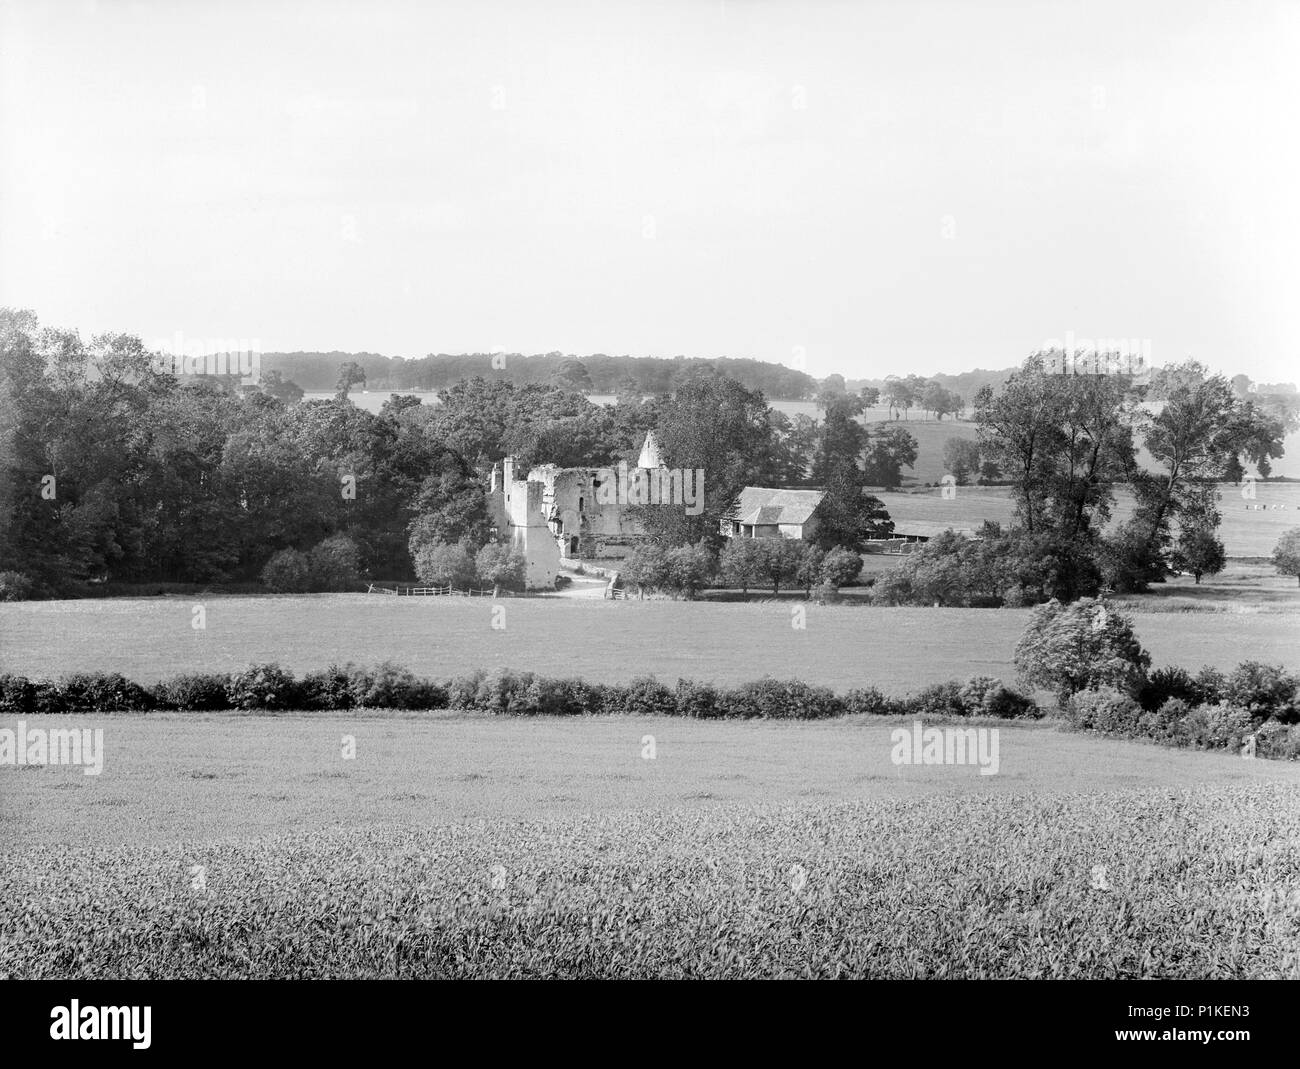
(467, 846)
(1195, 883)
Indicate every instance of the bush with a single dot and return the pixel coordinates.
(868, 701)
(840, 567)
(1214, 727)
(1083, 646)
(1167, 683)
(389, 686)
(1279, 741)
(262, 686)
(986, 696)
(445, 564)
(700, 701)
(777, 699)
(14, 586)
(1210, 686)
(194, 693)
(463, 691)
(287, 572)
(564, 697)
(504, 693)
(16, 694)
(1266, 691)
(1103, 709)
(334, 564)
(99, 692)
(1162, 724)
(643, 696)
(327, 688)
(940, 699)
(974, 692)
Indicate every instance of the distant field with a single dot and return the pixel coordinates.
(246, 846)
(1245, 532)
(897, 649)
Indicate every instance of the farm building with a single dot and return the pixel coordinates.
(763, 512)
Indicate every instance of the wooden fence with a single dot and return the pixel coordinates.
(430, 591)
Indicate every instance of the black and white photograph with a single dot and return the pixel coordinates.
(701, 492)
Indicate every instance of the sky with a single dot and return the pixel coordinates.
(862, 188)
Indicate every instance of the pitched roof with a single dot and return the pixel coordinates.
(650, 457)
(761, 505)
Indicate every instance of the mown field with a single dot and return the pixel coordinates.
(456, 846)
(896, 649)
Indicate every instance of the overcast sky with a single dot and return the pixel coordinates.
(866, 187)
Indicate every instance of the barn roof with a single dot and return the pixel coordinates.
(765, 506)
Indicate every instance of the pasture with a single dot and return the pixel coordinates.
(896, 649)
(1245, 532)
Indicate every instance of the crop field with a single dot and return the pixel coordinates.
(896, 649)
(457, 846)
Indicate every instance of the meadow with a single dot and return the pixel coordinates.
(895, 649)
(458, 846)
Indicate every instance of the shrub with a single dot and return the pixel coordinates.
(16, 694)
(564, 697)
(1162, 724)
(974, 691)
(262, 686)
(463, 691)
(502, 567)
(444, 564)
(1213, 727)
(194, 693)
(1089, 644)
(333, 564)
(643, 696)
(1281, 741)
(102, 692)
(14, 586)
(1266, 691)
(287, 572)
(389, 686)
(1103, 709)
(504, 693)
(868, 701)
(940, 699)
(1166, 683)
(1008, 704)
(1210, 686)
(699, 701)
(783, 700)
(327, 688)
(841, 566)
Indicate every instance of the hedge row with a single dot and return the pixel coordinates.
(506, 693)
(1215, 724)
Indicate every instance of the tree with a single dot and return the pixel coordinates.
(497, 563)
(1198, 551)
(848, 516)
(870, 396)
(808, 569)
(1090, 644)
(689, 569)
(780, 560)
(647, 567)
(961, 459)
(573, 376)
(444, 564)
(741, 563)
(840, 567)
(287, 572)
(1286, 554)
(333, 563)
(285, 390)
(940, 401)
(888, 452)
(350, 374)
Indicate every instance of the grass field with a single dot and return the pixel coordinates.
(896, 649)
(1244, 532)
(462, 846)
